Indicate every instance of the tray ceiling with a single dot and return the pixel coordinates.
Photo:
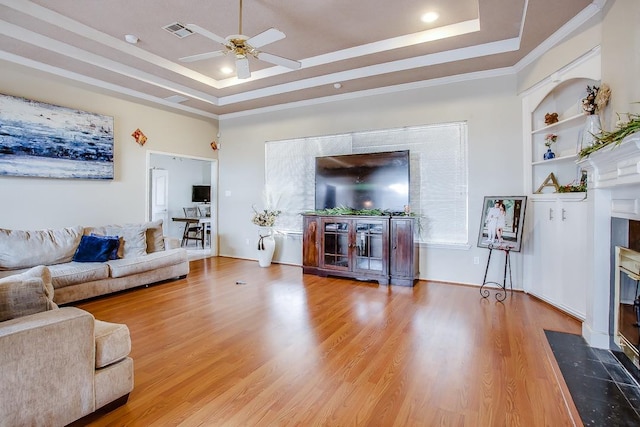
(345, 47)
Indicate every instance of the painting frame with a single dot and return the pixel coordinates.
(42, 140)
(502, 222)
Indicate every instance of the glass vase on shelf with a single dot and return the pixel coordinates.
(592, 127)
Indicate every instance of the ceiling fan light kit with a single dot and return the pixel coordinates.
(242, 46)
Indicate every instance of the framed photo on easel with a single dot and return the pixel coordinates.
(502, 222)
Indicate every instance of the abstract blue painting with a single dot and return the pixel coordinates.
(44, 140)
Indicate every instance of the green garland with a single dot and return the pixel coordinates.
(573, 188)
(344, 210)
(605, 139)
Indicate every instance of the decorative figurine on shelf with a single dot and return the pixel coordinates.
(549, 140)
(550, 118)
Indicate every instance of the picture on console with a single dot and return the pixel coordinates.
(502, 222)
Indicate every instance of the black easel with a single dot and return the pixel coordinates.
(501, 293)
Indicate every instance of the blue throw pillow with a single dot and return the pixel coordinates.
(94, 249)
(114, 254)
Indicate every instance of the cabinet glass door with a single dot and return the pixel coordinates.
(369, 246)
(335, 247)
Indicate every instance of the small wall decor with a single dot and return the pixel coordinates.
(50, 141)
(502, 222)
(139, 137)
(214, 145)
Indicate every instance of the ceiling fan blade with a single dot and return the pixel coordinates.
(279, 60)
(264, 38)
(242, 68)
(198, 29)
(201, 56)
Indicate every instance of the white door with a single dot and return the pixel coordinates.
(160, 197)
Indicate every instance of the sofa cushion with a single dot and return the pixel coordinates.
(113, 343)
(117, 251)
(73, 273)
(24, 249)
(134, 239)
(96, 249)
(155, 236)
(26, 293)
(128, 266)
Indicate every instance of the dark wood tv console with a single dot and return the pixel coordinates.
(380, 248)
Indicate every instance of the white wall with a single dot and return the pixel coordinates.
(28, 203)
(588, 37)
(490, 106)
(621, 58)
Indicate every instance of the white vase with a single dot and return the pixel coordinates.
(591, 127)
(266, 246)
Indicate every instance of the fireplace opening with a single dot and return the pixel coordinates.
(626, 301)
(627, 334)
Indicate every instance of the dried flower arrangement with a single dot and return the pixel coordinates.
(266, 218)
(589, 102)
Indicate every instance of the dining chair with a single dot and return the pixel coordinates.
(193, 230)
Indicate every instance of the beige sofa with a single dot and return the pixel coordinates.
(57, 365)
(145, 256)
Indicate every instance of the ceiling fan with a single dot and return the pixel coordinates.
(242, 46)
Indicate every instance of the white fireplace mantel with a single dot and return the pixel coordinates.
(613, 183)
(614, 165)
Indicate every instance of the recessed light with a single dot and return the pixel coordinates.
(130, 38)
(337, 85)
(226, 70)
(429, 17)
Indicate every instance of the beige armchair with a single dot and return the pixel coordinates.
(58, 365)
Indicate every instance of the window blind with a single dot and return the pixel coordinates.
(438, 168)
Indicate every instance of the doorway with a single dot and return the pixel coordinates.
(179, 174)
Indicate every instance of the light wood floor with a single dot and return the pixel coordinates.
(289, 349)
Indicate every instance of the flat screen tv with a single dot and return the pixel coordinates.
(201, 193)
(363, 181)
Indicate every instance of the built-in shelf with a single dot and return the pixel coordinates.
(573, 120)
(571, 157)
(576, 196)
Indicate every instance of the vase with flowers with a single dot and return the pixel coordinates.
(593, 104)
(549, 140)
(265, 219)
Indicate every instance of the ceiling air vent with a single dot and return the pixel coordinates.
(176, 98)
(178, 30)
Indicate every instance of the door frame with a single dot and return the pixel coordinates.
(214, 191)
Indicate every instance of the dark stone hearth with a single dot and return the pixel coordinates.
(604, 392)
